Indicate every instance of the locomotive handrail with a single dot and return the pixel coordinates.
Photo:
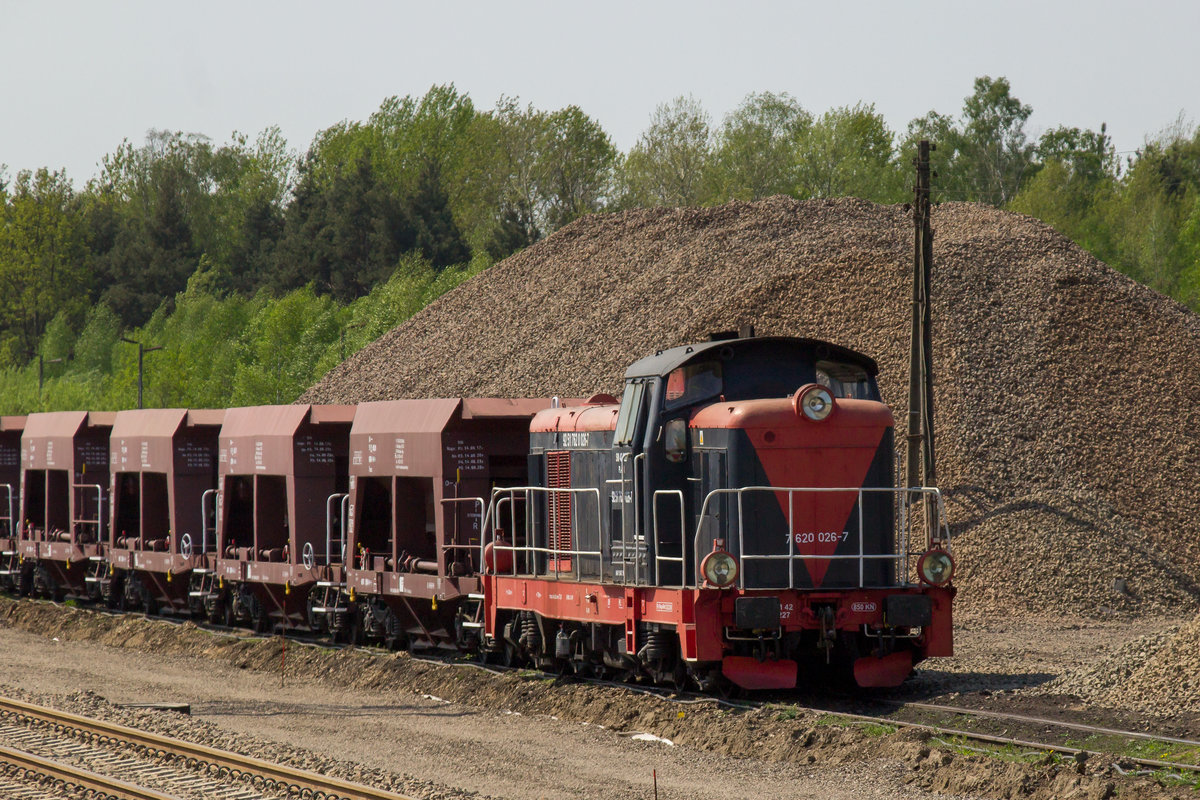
(344, 500)
(509, 494)
(637, 526)
(681, 559)
(902, 494)
(204, 521)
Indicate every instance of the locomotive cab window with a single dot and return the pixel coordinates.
(845, 380)
(692, 383)
(631, 410)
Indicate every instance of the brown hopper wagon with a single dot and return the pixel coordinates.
(64, 485)
(163, 489)
(281, 469)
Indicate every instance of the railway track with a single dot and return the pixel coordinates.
(127, 764)
(958, 723)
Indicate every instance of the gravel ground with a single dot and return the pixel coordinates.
(458, 731)
(1066, 394)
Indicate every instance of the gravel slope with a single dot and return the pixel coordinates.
(1066, 394)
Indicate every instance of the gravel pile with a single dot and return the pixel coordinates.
(1157, 674)
(1066, 394)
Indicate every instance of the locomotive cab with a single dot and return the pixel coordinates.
(724, 417)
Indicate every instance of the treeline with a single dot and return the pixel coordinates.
(258, 268)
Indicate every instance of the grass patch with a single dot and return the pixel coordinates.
(869, 728)
(783, 712)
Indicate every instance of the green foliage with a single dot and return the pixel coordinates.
(756, 154)
(258, 271)
(222, 351)
(41, 261)
(985, 156)
(849, 152)
(669, 163)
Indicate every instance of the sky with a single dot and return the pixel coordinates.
(80, 77)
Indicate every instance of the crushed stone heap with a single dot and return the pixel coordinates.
(1066, 395)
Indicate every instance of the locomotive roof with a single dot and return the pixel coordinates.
(662, 362)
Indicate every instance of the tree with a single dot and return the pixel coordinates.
(1076, 174)
(437, 237)
(41, 261)
(985, 156)
(756, 151)
(342, 234)
(670, 162)
(574, 171)
(849, 151)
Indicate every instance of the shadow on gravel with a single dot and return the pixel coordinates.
(926, 683)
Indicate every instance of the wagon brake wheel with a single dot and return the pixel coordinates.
(308, 556)
(185, 545)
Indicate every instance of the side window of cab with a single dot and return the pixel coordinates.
(692, 383)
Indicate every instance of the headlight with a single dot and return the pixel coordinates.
(936, 567)
(814, 401)
(719, 568)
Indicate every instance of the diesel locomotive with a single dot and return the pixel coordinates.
(733, 518)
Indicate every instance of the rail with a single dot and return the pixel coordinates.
(902, 497)
(508, 496)
(344, 500)
(454, 546)
(75, 781)
(264, 773)
(83, 488)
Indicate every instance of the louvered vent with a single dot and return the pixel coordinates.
(558, 476)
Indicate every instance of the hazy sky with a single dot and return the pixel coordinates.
(78, 77)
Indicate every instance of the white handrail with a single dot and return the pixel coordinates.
(509, 494)
(204, 521)
(682, 557)
(791, 557)
(343, 498)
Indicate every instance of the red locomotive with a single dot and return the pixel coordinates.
(732, 518)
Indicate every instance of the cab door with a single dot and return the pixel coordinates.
(627, 547)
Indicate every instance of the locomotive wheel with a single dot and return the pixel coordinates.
(681, 677)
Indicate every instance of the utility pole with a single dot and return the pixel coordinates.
(142, 350)
(921, 469)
